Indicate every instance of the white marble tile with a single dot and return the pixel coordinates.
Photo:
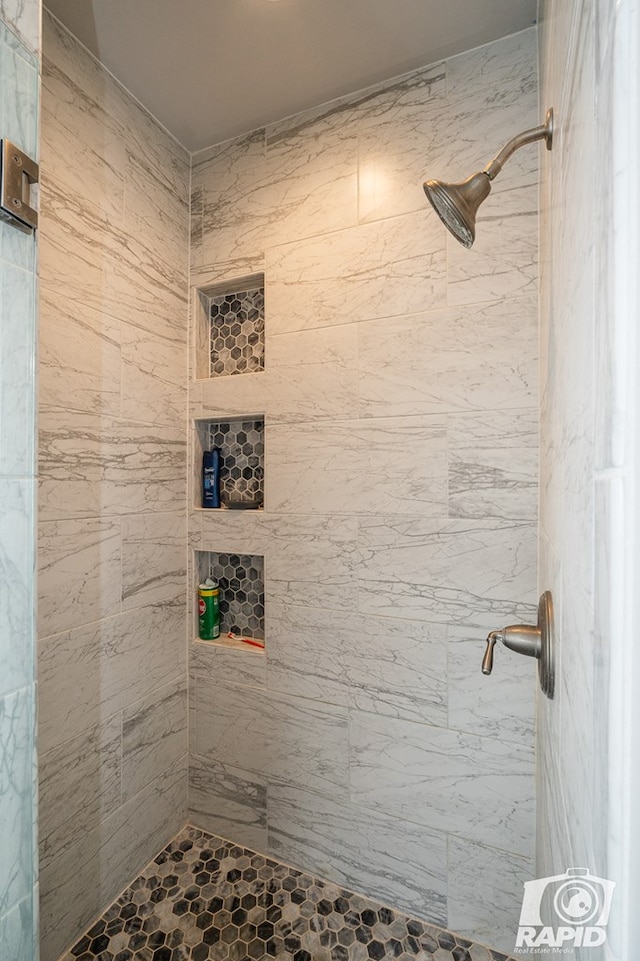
(80, 783)
(501, 705)
(284, 738)
(17, 736)
(17, 349)
(492, 919)
(153, 388)
(78, 356)
(444, 780)
(311, 162)
(237, 199)
(154, 736)
(503, 262)
(19, 930)
(236, 665)
(311, 559)
(154, 208)
(402, 133)
(366, 851)
(97, 466)
(23, 16)
(480, 357)
(19, 96)
(493, 464)
(89, 875)
(19, 121)
(465, 572)
(91, 672)
(228, 802)
(16, 584)
(79, 573)
(396, 267)
(94, 262)
(153, 558)
(382, 665)
(389, 464)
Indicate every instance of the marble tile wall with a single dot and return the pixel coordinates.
(19, 82)
(588, 526)
(400, 403)
(112, 523)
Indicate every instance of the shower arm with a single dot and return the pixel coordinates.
(543, 132)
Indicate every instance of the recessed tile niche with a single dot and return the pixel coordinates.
(241, 444)
(230, 328)
(241, 580)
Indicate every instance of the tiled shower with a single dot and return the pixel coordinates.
(288, 292)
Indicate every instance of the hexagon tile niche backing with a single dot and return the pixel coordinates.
(241, 580)
(237, 332)
(204, 898)
(241, 444)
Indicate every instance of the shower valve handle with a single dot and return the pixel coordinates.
(530, 640)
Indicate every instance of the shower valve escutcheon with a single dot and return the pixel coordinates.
(532, 640)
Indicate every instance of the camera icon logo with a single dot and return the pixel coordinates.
(570, 909)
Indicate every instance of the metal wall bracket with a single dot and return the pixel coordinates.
(18, 172)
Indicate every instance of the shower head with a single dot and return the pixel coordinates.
(457, 204)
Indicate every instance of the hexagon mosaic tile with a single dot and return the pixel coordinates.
(241, 445)
(241, 580)
(237, 332)
(204, 898)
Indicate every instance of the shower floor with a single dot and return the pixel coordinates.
(204, 898)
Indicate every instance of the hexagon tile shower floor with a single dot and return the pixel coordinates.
(204, 898)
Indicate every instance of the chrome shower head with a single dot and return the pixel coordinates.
(457, 204)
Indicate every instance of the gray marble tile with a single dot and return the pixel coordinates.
(494, 918)
(154, 736)
(383, 665)
(502, 705)
(468, 572)
(482, 357)
(153, 558)
(79, 572)
(381, 855)
(444, 780)
(239, 665)
(288, 739)
(17, 735)
(80, 783)
(89, 875)
(309, 287)
(16, 585)
(91, 466)
(79, 356)
(229, 801)
(387, 464)
(105, 667)
(493, 464)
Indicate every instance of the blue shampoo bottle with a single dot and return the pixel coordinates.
(211, 478)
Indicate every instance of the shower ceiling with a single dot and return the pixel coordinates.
(213, 69)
